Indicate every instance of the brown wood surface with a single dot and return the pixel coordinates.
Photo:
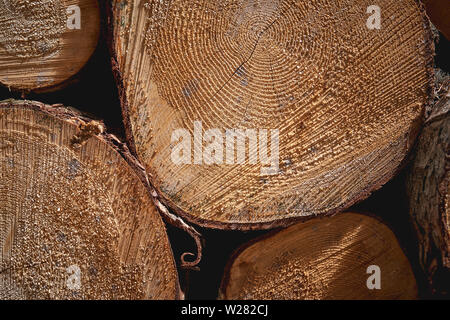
(347, 101)
(321, 259)
(38, 49)
(429, 194)
(439, 13)
(69, 197)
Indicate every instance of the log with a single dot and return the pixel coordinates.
(254, 114)
(428, 188)
(328, 258)
(45, 42)
(76, 218)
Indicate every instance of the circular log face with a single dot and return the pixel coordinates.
(349, 256)
(45, 42)
(247, 113)
(439, 11)
(75, 220)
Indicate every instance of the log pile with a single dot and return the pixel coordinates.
(239, 116)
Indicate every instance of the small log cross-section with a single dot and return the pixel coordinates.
(45, 42)
(429, 196)
(348, 256)
(76, 220)
(248, 114)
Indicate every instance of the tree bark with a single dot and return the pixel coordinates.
(76, 217)
(429, 189)
(343, 102)
(44, 43)
(439, 11)
(329, 258)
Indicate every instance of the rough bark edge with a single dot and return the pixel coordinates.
(237, 252)
(437, 267)
(429, 40)
(73, 79)
(107, 7)
(73, 116)
(162, 208)
(441, 97)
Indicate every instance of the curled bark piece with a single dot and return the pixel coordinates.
(162, 209)
(348, 256)
(45, 42)
(75, 223)
(254, 114)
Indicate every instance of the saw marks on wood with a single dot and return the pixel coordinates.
(75, 220)
(45, 42)
(346, 101)
(321, 259)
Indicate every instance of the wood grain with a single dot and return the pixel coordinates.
(70, 197)
(439, 13)
(38, 49)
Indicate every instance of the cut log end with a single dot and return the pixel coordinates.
(348, 256)
(250, 113)
(76, 222)
(44, 43)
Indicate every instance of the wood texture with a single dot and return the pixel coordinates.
(429, 194)
(321, 259)
(69, 198)
(41, 44)
(347, 100)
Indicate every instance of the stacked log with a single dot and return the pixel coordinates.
(76, 219)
